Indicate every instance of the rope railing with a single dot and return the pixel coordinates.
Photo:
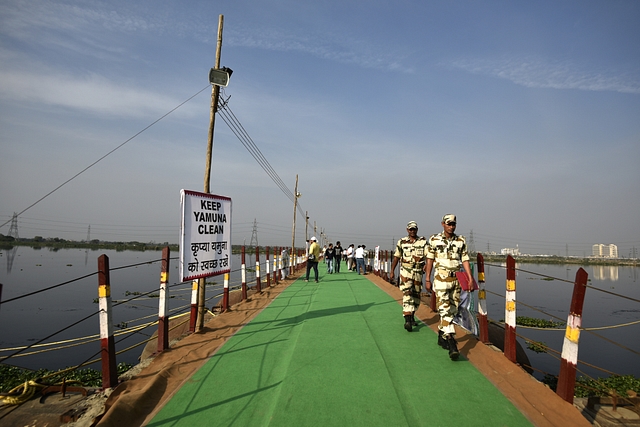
(131, 328)
(217, 291)
(571, 326)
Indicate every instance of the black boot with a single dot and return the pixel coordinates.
(413, 320)
(407, 323)
(453, 348)
(441, 341)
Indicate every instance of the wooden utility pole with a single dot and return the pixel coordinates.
(293, 231)
(306, 226)
(215, 91)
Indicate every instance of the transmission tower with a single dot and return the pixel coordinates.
(13, 232)
(89, 234)
(254, 234)
(472, 243)
(13, 229)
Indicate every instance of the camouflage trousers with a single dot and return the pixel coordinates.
(447, 301)
(410, 285)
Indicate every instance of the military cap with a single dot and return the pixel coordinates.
(449, 218)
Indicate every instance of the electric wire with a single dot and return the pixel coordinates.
(240, 132)
(109, 153)
(234, 124)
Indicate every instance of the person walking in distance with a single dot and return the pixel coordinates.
(337, 259)
(446, 252)
(284, 257)
(359, 256)
(314, 257)
(329, 257)
(350, 254)
(410, 253)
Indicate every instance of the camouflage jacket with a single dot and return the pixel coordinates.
(412, 255)
(447, 254)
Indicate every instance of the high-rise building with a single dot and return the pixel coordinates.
(604, 251)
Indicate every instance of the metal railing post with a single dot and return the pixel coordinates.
(482, 302)
(244, 275)
(107, 343)
(194, 305)
(163, 309)
(510, 311)
(267, 265)
(258, 284)
(567, 377)
(225, 293)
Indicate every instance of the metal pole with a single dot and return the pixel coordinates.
(215, 91)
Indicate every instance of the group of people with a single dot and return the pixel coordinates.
(443, 254)
(355, 258)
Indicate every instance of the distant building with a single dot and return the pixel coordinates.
(604, 251)
(510, 251)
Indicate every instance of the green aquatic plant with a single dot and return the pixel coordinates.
(586, 387)
(538, 323)
(537, 346)
(12, 376)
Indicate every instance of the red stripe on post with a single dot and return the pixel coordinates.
(267, 273)
(510, 311)
(568, 363)
(225, 293)
(107, 343)
(482, 315)
(244, 275)
(258, 284)
(163, 322)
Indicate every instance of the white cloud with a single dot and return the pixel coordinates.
(540, 73)
(90, 93)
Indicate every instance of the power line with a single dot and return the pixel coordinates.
(239, 131)
(109, 153)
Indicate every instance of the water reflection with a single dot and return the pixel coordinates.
(605, 272)
(11, 254)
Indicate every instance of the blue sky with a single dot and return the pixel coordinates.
(522, 118)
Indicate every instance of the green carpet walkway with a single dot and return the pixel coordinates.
(335, 353)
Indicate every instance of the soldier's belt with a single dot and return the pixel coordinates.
(411, 264)
(446, 275)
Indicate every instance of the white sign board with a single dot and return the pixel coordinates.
(205, 235)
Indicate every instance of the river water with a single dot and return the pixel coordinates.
(27, 320)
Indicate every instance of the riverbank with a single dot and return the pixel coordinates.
(552, 259)
(95, 245)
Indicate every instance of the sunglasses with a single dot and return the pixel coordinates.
(452, 224)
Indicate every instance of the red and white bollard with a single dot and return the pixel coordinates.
(107, 342)
(225, 293)
(163, 309)
(567, 377)
(258, 284)
(482, 302)
(194, 305)
(244, 275)
(510, 311)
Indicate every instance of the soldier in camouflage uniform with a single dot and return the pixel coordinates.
(446, 251)
(410, 252)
